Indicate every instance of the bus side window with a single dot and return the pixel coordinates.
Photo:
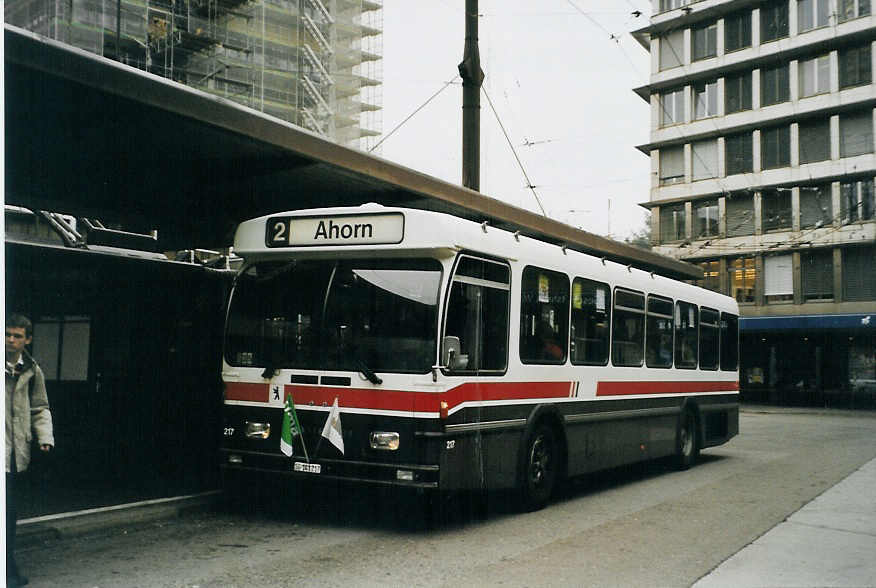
(591, 313)
(729, 342)
(477, 314)
(686, 334)
(628, 329)
(544, 316)
(658, 333)
(708, 339)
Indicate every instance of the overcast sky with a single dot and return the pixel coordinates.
(556, 78)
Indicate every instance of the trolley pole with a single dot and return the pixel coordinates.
(472, 79)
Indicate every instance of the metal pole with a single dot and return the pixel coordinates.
(472, 79)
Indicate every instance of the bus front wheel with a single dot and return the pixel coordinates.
(538, 472)
(687, 443)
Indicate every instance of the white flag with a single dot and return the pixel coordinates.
(332, 428)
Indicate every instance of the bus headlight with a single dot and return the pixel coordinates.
(258, 430)
(384, 440)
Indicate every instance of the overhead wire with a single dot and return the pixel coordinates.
(411, 115)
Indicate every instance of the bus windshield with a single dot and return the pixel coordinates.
(336, 315)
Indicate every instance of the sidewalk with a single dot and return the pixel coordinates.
(829, 542)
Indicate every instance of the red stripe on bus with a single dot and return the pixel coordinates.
(401, 400)
(246, 391)
(633, 388)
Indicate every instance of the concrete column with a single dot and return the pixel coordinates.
(758, 214)
(722, 159)
(755, 151)
(797, 277)
(722, 216)
(834, 137)
(688, 104)
(837, 274)
(755, 27)
(795, 209)
(723, 276)
(688, 163)
(758, 285)
(655, 169)
(655, 225)
(655, 53)
(835, 195)
(687, 46)
(755, 89)
(688, 220)
(792, 19)
(719, 46)
(795, 145)
(794, 77)
(656, 112)
(834, 72)
(721, 97)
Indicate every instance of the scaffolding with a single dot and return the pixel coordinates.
(314, 63)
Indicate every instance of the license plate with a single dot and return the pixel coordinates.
(310, 468)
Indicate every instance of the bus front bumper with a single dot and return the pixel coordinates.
(239, 462)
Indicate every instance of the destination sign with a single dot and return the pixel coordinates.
(360, 229)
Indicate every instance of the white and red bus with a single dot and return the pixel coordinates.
(463, 356)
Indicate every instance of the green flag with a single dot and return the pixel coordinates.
(291, 429)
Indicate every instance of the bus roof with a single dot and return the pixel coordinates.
(343, 229)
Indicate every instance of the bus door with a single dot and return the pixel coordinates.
(475, 349)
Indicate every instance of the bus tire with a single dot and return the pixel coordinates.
(687, 446)
(539, 467)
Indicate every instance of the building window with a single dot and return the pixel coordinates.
(705, 99)
(706, 218)
(774, 85)
(856, 201)
(672, 223)
(775, 147)
(812, 14)
(737, 92)
(591, 304)
(816, 268)
(705, 41)
(737, 151)
(815, 76)
(814, 141)
(672, 165)
(740, 214)
(774, 21)
(544, 316)
(778, 279)
(816, 206)
(855, 67)
(711, 275)
(672, 107)
(628, 328)
(850, 9)
(704, 156)
(672, 50)
(658, 333)
(859, 279)
(737, 31)
(743, 277)
(672, 4)
(856, 133)
(776, 209)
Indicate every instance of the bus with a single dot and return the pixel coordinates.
(414, 348)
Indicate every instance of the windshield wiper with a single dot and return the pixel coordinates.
(368, 372)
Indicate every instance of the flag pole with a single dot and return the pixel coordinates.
(298, 426)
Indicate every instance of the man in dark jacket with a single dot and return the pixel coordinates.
(27, 415)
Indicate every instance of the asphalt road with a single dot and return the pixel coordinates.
(640, 526)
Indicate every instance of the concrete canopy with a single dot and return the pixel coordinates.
(92, 137)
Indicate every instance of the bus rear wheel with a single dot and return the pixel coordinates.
(538, 472)
(686, 441)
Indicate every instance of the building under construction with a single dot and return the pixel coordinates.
(315, 63)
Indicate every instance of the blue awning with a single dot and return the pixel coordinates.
(809, 322)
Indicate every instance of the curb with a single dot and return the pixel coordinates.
(73, 524)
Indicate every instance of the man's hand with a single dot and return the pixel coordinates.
(45, 447)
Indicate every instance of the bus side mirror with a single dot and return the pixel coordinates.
(449, 351)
